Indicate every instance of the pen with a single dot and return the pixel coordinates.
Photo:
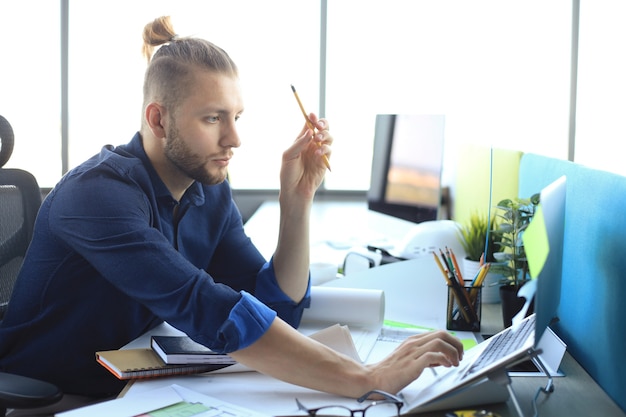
(462, 297)
(457, 273)
(478, 274)
(309, 122)
(480, 270)
(483, 273)
(443, 272)
(467, 309)
(478, 282)
(452, 266)
(446, 261)
(445, 276)
(457, 270)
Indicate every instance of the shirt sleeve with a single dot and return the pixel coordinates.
(268, 291)
(236, 258)
(125, 245)
(246, 323)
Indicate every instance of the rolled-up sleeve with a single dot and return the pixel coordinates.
(268, 291)
(246, 323)
(250, 318)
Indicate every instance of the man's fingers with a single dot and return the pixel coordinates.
(436, 342)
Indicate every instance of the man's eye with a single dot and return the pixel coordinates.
(213, 119)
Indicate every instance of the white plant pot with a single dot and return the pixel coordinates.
(491, 292)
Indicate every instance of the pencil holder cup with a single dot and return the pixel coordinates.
(464, 307)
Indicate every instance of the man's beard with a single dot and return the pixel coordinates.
(191, 164)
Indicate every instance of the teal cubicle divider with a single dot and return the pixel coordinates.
(592, 309)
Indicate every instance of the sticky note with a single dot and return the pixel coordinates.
(182, 408)
(536, 243)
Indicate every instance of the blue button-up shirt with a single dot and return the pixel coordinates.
(113, 255)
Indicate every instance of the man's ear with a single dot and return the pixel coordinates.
(155, 117)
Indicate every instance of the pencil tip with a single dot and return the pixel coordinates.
(293, 88)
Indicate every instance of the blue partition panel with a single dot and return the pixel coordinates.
(592, 309)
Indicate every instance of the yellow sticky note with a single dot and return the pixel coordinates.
(536, 243)
(468, 343)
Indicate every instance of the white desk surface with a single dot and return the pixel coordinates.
(335, 228)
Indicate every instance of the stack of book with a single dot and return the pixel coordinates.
(167, 356)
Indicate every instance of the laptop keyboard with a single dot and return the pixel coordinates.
(503, 343)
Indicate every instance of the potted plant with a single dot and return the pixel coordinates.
(514, 216)
(474, 238)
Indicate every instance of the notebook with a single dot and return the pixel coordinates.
(520, 341)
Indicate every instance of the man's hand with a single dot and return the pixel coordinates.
(303, 166)
(288, 355)
(416, 353)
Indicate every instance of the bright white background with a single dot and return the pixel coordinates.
(498, 70)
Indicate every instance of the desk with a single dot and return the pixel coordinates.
(575, 395)
(335, 228)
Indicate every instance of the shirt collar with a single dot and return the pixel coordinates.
(194, 194)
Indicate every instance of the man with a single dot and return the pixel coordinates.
(148, 232)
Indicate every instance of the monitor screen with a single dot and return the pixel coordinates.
(406, 166)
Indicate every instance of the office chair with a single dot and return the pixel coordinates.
(20, 198)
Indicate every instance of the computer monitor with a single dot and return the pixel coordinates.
(407, 162)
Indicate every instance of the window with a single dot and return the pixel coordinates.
(30, 85)
(600, 129)
(499, 72)
(272, 50)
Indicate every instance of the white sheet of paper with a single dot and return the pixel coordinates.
(152, 400)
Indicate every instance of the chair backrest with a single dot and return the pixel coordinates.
(20, 199)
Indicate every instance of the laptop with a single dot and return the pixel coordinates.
(516, 343)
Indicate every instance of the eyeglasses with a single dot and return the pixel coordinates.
(389, 407)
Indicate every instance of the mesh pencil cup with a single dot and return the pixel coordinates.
(464, 307)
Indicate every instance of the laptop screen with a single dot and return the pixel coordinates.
(544, 248)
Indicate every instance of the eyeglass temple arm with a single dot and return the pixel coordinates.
(303, 408)
(379, 392)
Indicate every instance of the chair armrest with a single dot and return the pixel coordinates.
(17, 391)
